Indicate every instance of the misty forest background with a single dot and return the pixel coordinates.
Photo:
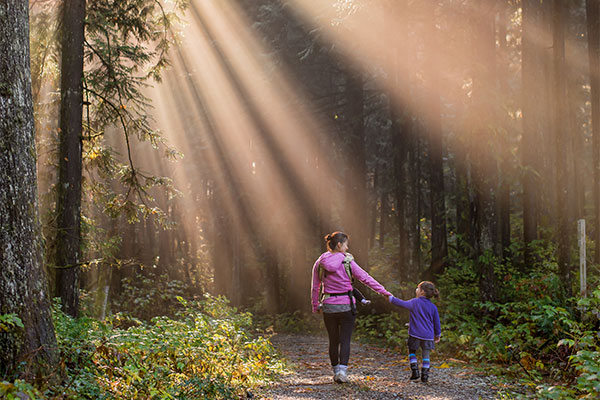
(192, 149)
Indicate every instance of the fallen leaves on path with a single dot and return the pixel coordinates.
(375, 373)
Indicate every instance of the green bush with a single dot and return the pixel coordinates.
(206, 352)
(582, 340)
(545, 341)
(18, 390)
(149, 295)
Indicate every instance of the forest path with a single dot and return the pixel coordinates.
(375, 373)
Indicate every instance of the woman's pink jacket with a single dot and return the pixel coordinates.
(335, 279)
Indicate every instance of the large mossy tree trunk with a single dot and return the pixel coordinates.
(23, 284)
(68, 238)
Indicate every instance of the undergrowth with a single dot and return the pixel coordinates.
(206, 351)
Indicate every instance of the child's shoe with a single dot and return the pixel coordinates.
(365, 302)
(424, 375)
(414, 369)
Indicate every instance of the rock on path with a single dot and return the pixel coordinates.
(375, 373)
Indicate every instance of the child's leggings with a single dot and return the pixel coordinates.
(413, 346)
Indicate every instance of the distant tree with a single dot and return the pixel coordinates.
(593, 41)
(355, 215)
(485, 173)
(433, 126)
(68, 207)
(559, 111)
(124, 48)
(23, 285)
(531, 137)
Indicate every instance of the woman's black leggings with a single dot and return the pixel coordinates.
(339, 327)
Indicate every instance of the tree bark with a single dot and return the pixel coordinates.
(485, 172)
(559, 123)
(439, 246)
(355, 215)
(383, 214)
(23, 284)
(593, 31)
(531, 136)
(68, 240)
(506, 166)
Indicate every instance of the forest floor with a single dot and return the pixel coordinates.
(375, 373)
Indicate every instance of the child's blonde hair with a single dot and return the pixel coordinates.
(429, 289)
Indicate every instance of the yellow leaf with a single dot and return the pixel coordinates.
(444, 365)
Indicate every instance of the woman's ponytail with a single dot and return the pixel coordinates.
(334, 238)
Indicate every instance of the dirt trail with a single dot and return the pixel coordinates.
(375, 373)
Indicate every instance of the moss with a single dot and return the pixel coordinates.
(5, 89)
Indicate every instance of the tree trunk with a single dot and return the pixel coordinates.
(593, 30)
(559, 123)
(23, 284)
(485, 172)
(506, 168)
(399, 132)
(104, 278)
(376, 191)
(271, 279)
(417, 204)
(68, 240)
(439, 246)
(355, 215)
(383, 214)
(531, 136)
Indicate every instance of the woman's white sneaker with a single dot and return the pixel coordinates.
(342, 375)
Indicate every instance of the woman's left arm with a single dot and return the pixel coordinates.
(316, 283)
(365, 278)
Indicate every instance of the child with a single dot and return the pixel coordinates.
(423, 328)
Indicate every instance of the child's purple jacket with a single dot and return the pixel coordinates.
(424, 320)
(336, 280)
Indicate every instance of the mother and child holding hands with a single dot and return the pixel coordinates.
(333, 294)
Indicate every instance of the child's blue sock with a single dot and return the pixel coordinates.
(412, 358)
(426, 363)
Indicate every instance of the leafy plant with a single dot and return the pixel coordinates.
(207, 352)
(149, 295)
(8, 322)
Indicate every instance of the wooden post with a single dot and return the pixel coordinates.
(582, 261)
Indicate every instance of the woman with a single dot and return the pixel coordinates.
(337, 301)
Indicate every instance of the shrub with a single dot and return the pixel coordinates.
(150, 295)
(206, 352)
